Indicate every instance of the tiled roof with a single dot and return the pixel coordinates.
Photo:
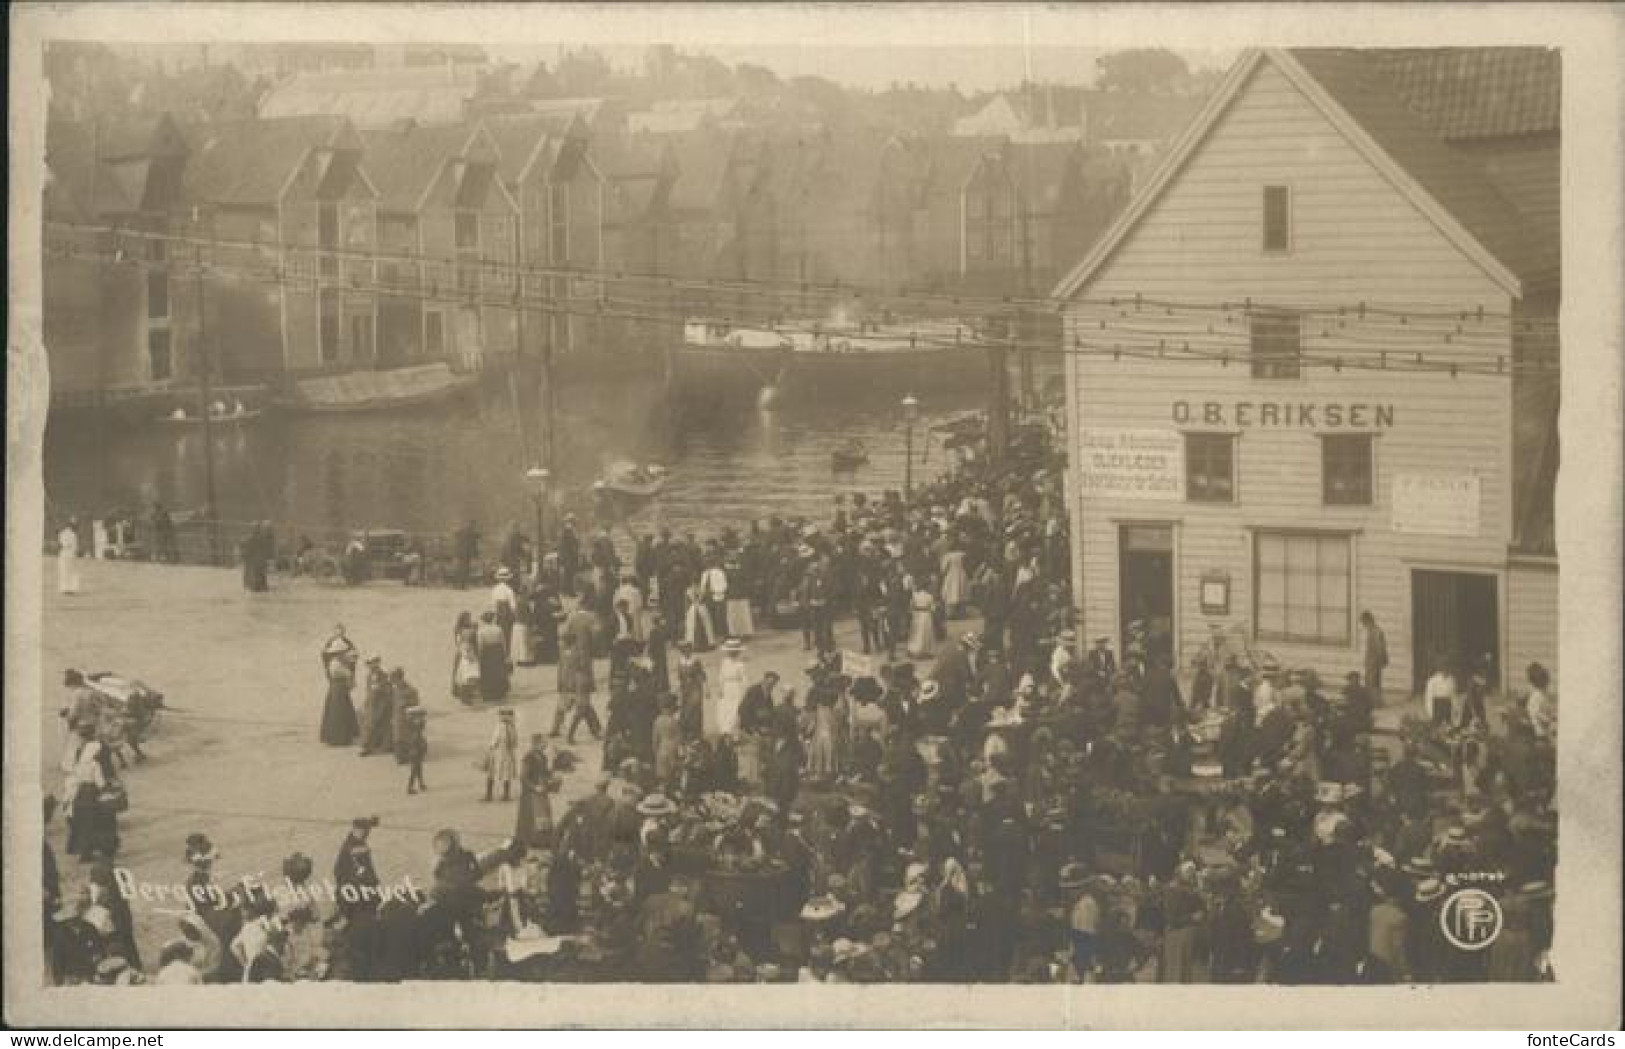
(249, 161)
(1479, 92)
(403, 163)
(1358, 83)
(517, 137)
(375, 98)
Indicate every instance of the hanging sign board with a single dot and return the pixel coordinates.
(1436, 504)
(1131, 464)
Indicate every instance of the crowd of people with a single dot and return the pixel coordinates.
(949, 799)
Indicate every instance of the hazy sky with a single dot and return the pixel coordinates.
(973, 67)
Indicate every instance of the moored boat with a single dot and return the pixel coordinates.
(806, 356)
(371, 391)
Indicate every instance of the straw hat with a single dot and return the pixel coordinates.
(822, 908)
(504, 574)
(930, 690)
(1074, 876)
(1429, 890)
(733, 645)
(656, 805)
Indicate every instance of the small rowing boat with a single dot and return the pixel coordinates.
(630, 480)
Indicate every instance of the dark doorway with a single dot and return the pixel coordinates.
(1146, 586)
(1456, 619)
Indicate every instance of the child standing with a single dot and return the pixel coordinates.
(416, 748)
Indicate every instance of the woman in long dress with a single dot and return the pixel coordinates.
(92, 822)
(493, 658)
(67, 557)
(339, 725)
(465, 660)
(723, 719)
(955, 582)
(502, 756)
(534, 827)
(545, 610)
(921, 621)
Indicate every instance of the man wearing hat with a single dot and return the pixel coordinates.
(1100, 664)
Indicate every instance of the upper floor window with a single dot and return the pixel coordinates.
(1277, 344)
(1277, 218)
(1345, 469)
(157, 295)
(466, 230)
(1210, 467)
(327, 225)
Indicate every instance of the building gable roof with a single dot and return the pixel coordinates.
(1346, 86)
(251, 162)
(405, 163)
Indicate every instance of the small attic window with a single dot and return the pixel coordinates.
(1277, 218)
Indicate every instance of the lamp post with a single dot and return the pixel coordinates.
(538, 476)
(911, 412)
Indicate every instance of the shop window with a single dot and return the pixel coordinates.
(1210, 467)
(1345, 469)
(1301, 587)
(1277, 218)
(1277, 344)
(160, 364)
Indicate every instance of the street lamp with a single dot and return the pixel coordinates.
(538, 476)
(911, 412)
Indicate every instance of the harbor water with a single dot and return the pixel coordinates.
(429, 470)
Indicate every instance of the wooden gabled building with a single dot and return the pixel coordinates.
(1314, 369)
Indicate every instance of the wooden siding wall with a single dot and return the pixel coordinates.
(1533, 613)
(358, 230)
(1354, 238)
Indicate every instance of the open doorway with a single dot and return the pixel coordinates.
(1455, 619)
(1146, 586)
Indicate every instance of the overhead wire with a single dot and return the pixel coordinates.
(1383, 350)
(980, 303)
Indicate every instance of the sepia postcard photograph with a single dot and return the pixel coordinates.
(813, 516)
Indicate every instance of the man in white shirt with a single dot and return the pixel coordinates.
(714, 592)
(1060, 661)
(1439, 696)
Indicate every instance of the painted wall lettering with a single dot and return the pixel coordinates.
(1299, 415)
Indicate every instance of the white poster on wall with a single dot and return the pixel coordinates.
(1436, 504)
(1131, 464)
